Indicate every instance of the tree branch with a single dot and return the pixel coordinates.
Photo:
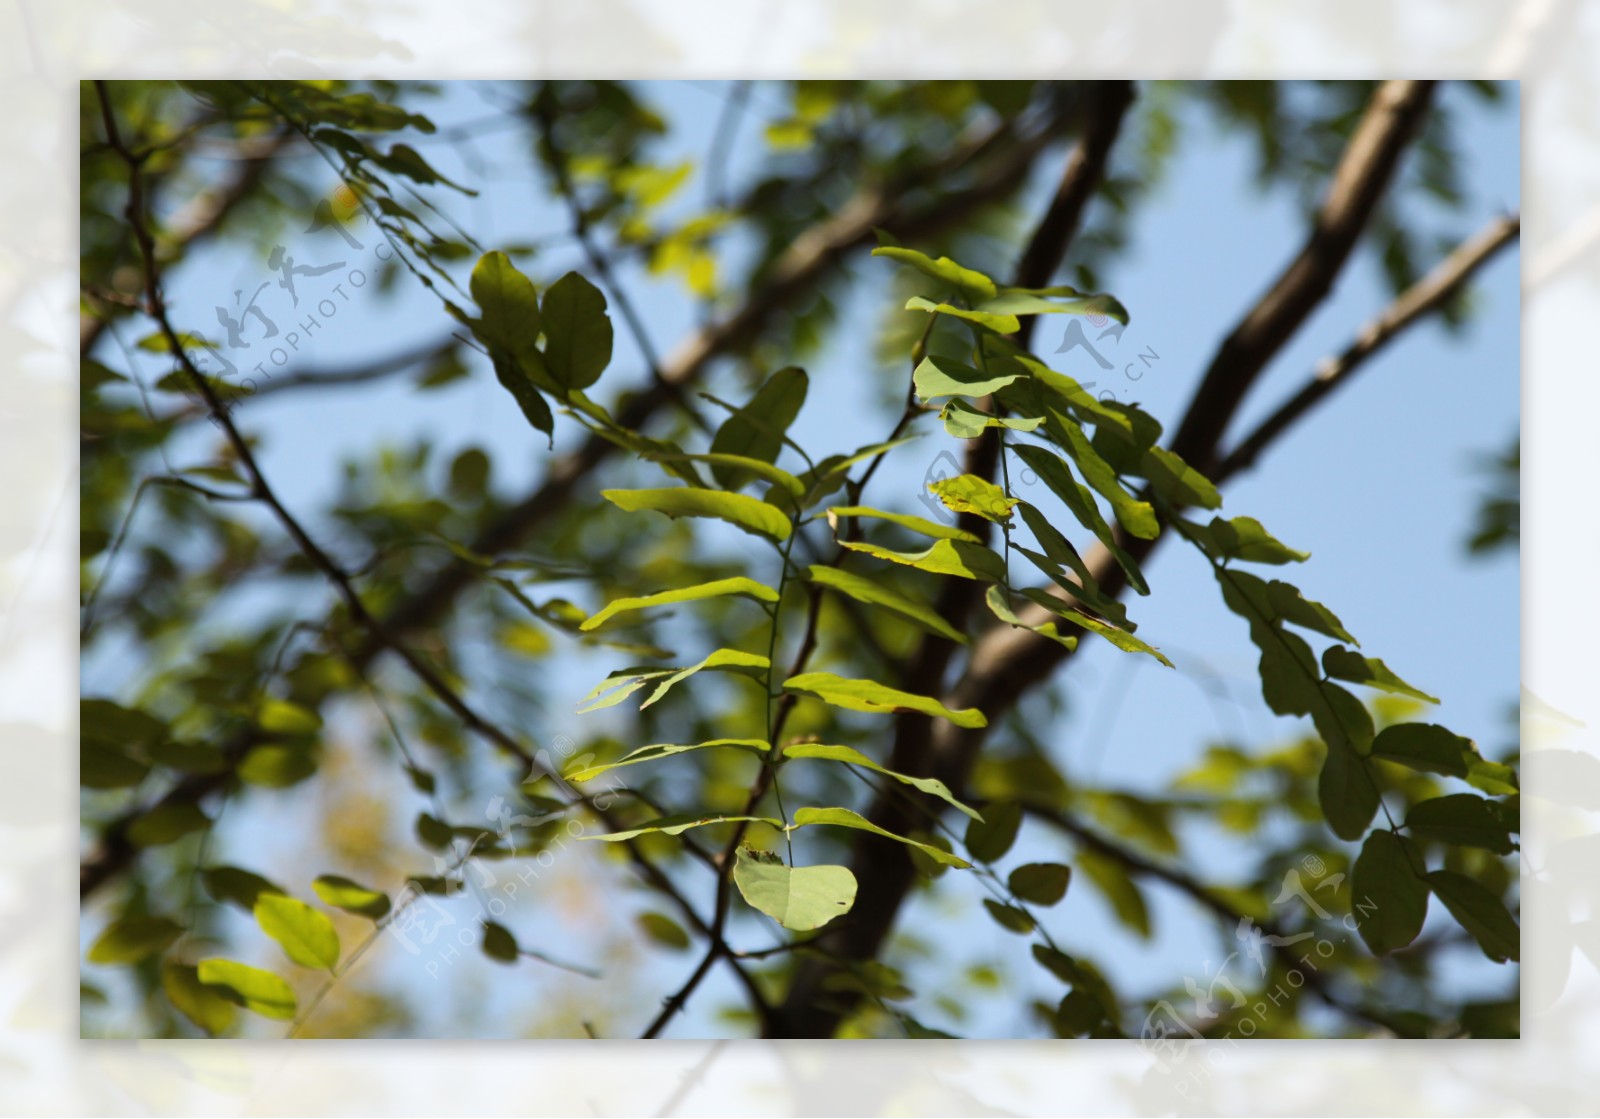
(1007, 661)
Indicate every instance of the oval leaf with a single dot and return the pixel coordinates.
(306, 936)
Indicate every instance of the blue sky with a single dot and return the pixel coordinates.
(1379, 485)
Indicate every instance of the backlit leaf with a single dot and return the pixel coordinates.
(737, 509)
(306, 936)
(256, 990)
(738, 585)
(874, 592)
(798, 898)
(869, 695)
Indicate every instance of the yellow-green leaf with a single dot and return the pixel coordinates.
(737, 509)
(717, 588)
(869, 695)
(306, 936)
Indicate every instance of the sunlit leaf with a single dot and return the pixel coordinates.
(735, 508)
(306, 936)
(869, 695)
(260, 991)
(798, 898)
(875, 593)
(738, 585)
(352, 897)
(1342, 664)
(922, 525)
(654, 753)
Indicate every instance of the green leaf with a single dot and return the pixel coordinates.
(1480, 912)
(998, 601)
(874, 593)
(200, 1004)
(932, 529)
(1122, 639)
(1033, 301)
(844, 818)
(737, 509)
(1426, 747)
(1493, 778)
(738, 585)
(679, 823)
(653, 753)
(306, 936)
(1342, 664)
(798, 898)
(128, 940)
(1080, 502)
(1077, 1014)
(757, 430)
(166, 823)
(1122, 892)
(1137, 517)
(1291, 606)
(1388, 895)
(989, 838)
(1347, 792)
(1342, 719)
(352, 897)
(498, 943)
(577, 332)
(850, 756)
(968, 493)
(1001, 324)
(250, 987)
(1462, 820)
(1243, 538)
(1059, 550)
(277, 767)
(869, 695)
(1040, 883)
(236, 886)
(535, 410)
(624, 682)
(509, 302)
(937, 376)
(755, 467)
(103, 767)
(964, 421)
(279, 716)
(944, 557)
(974, 285)
(1177, 482)
(1009, 917)
(664, 931)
